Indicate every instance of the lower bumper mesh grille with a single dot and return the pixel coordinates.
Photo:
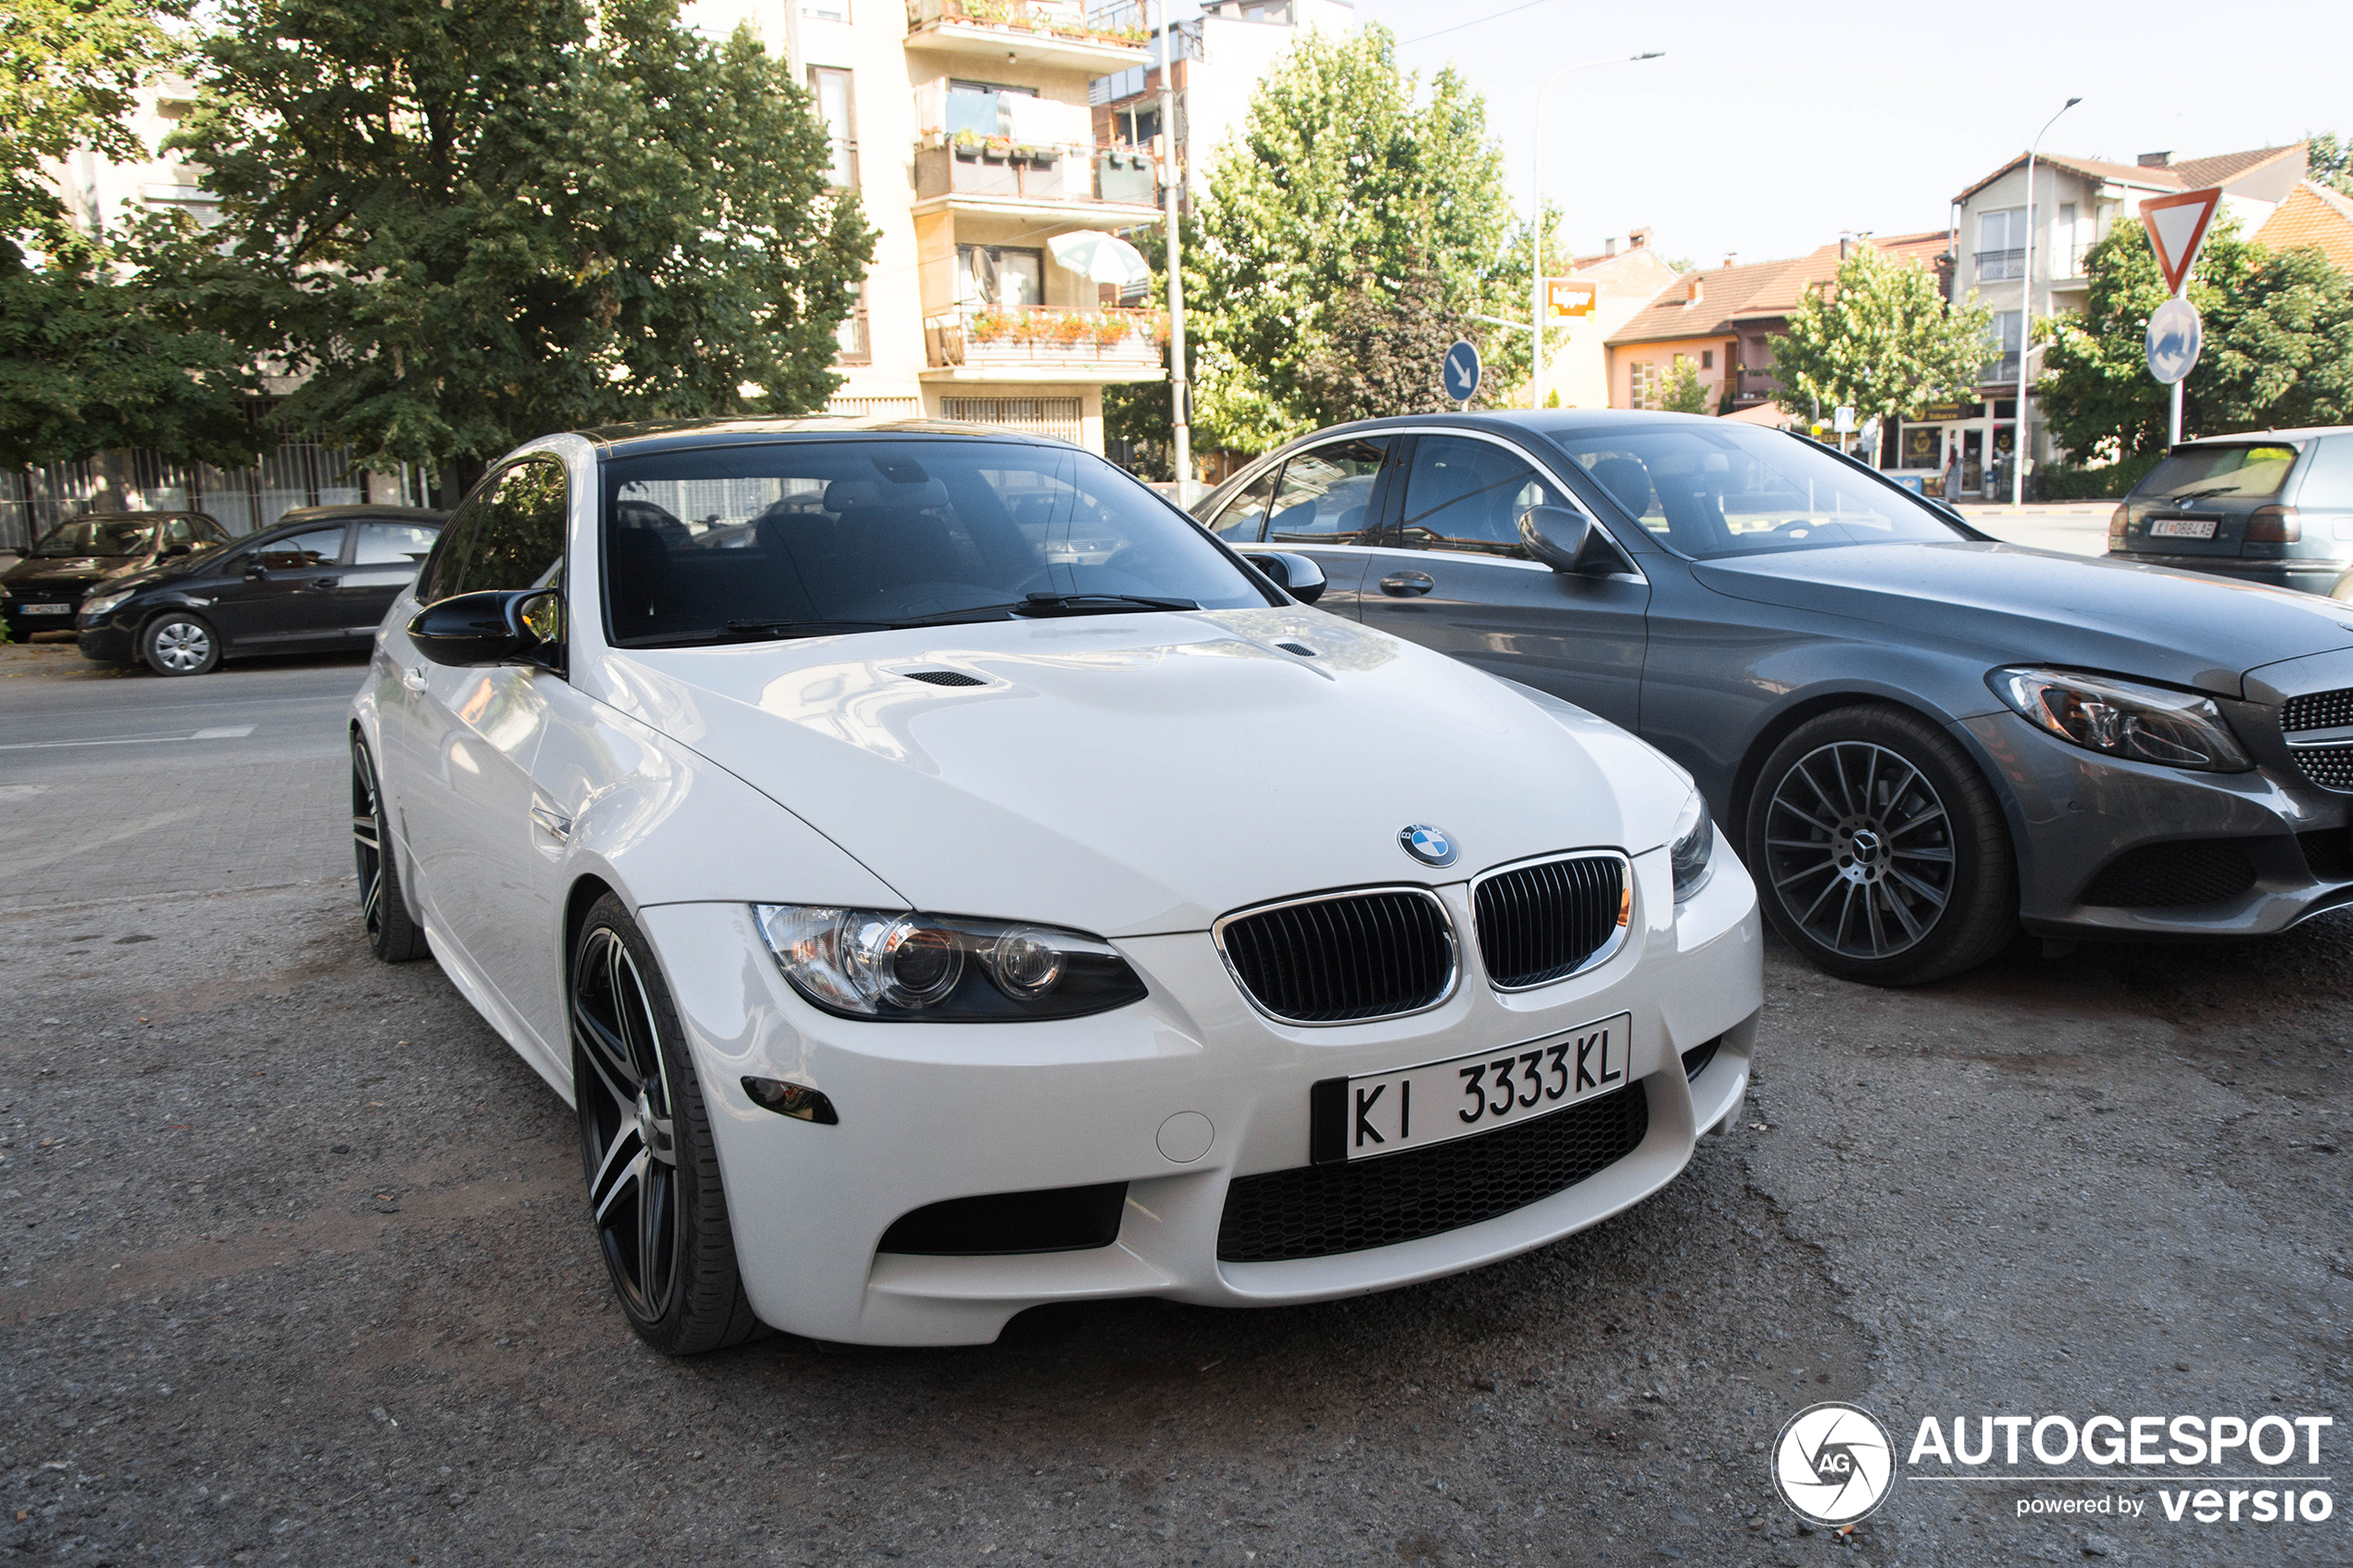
(2171, 876)
(1320, 1211)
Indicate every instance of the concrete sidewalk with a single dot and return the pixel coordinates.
(2077, 528)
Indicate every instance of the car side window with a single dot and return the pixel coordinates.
(509, 536)
(1244, 516)
(1324, 493)
(2328, 479)
(1466, 494)
(177, 532)
(392, 543)
(298, 552)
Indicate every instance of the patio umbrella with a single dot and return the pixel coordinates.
(1104, 258)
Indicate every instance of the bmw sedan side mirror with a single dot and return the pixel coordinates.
(1296, 575)
(1566, 540)
(496, 627)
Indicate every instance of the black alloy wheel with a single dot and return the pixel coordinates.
(645, 1147)
(179, 641)
(1880, 851)
(394, 934)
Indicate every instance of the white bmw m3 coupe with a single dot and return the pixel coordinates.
(946, 880)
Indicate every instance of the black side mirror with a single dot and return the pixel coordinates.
(497, 627)
(1566, 540)
(255, 571)
(171, 550)
(1296, 575)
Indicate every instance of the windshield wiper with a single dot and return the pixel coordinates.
(2200, 494)
(1095, 604)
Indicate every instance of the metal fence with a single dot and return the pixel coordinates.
(297, 474)
(1036, 416)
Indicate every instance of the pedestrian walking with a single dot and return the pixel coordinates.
(1951, 473)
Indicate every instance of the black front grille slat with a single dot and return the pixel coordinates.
(1343, 960)
(2317, 710)
(1320, 1211)
(1540, 922)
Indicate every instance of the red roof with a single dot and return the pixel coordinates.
(2190, 174)
(2312, 215)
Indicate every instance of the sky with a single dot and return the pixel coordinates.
(1768, 130)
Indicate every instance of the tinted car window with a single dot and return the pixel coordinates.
(1466, 495)
(2201, 472)
(1244, 516)
(316, 546)
(1324, 494)
(382, 544)
(98, 536)
(885, 531)
(507, 537)
(1721, 489)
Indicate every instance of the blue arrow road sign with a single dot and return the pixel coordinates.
(1462, 371)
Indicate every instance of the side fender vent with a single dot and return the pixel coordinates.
(943, 677)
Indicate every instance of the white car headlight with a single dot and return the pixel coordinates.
(97, 605)
(2125, 719)
(1691, 850)
(946, 969)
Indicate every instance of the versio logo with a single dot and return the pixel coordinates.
(1834, 1463)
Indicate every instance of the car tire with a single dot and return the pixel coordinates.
(647, 1148)
(1878, 849)
(394, 934)
(180, 642)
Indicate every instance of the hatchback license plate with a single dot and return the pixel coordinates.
(2181, 528)
(44, 609)
(1415, 1107)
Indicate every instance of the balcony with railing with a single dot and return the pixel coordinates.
(1053, 33)
(978, 147)
(1042, 343)
(1997, 266)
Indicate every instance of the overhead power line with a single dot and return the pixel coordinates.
(1476, 21)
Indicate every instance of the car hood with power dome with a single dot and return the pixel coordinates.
(1132, 774)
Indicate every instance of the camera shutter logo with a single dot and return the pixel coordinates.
(1834, 1463)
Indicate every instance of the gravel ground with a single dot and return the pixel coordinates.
(293, 1269)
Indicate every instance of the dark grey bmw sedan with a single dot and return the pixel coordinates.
(1917, 736)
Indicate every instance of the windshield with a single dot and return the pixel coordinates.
(99, 537)
(2203, 472)
(1735, 490)
(753, 542)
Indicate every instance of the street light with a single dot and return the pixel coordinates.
(1536, 220)
(2026, 316)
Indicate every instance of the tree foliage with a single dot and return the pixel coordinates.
(1383, 349)
(1880, 339)
(2328, 160)
(2278, 347)
(1337, 176)
(468, 222)
(1683, 393)
(70, 72)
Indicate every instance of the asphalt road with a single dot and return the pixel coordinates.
(294, 1268)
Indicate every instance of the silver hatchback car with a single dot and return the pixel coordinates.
(2273, 507)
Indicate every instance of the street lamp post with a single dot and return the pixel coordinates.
(1536, 220)
(2026, 316)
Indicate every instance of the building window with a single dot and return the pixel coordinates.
(2004, 368)
(1706, 358)
(831, 89)
(854, 346)
(1641, 382)
(826, 10)
(2001, 245)
(1036, 416)
(1009, 276)
(2069, 241)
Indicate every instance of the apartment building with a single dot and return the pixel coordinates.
(964, 128)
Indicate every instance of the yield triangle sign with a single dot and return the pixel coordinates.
(2177, 228)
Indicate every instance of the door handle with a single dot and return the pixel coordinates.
(1407, 584)
(413, 678)
(326, 581)
(554, 822)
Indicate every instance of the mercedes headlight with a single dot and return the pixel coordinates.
(1691, 850)
(97, 605)
(947, 969)
(2125, 719)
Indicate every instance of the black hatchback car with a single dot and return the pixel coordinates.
(320, 580)
(44, 591)
(2273, 507)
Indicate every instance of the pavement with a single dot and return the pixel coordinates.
(2077, 528)
(294, 1266)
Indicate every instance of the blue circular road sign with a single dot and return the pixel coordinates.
(2175, 338)
(1462, 371)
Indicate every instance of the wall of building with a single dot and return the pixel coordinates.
(1578, 368)
(1711, 355)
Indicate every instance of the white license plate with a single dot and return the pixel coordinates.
(2181, 528)
(44, 609)
(1415, 1107)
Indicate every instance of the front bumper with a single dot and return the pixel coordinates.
(2304, 574)
(2083, 824)
(930, 1112)
(108, 643)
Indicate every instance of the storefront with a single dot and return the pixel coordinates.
(1982, 435)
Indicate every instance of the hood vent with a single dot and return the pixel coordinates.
(1299, 648)
(943, 677)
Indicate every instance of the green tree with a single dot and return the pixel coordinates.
(468, 222)
(1383, 346)
(1337, 175)
(1880, 339)
(95, 351)
(2329, 158)
(1684, 393)
(2278, 331)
